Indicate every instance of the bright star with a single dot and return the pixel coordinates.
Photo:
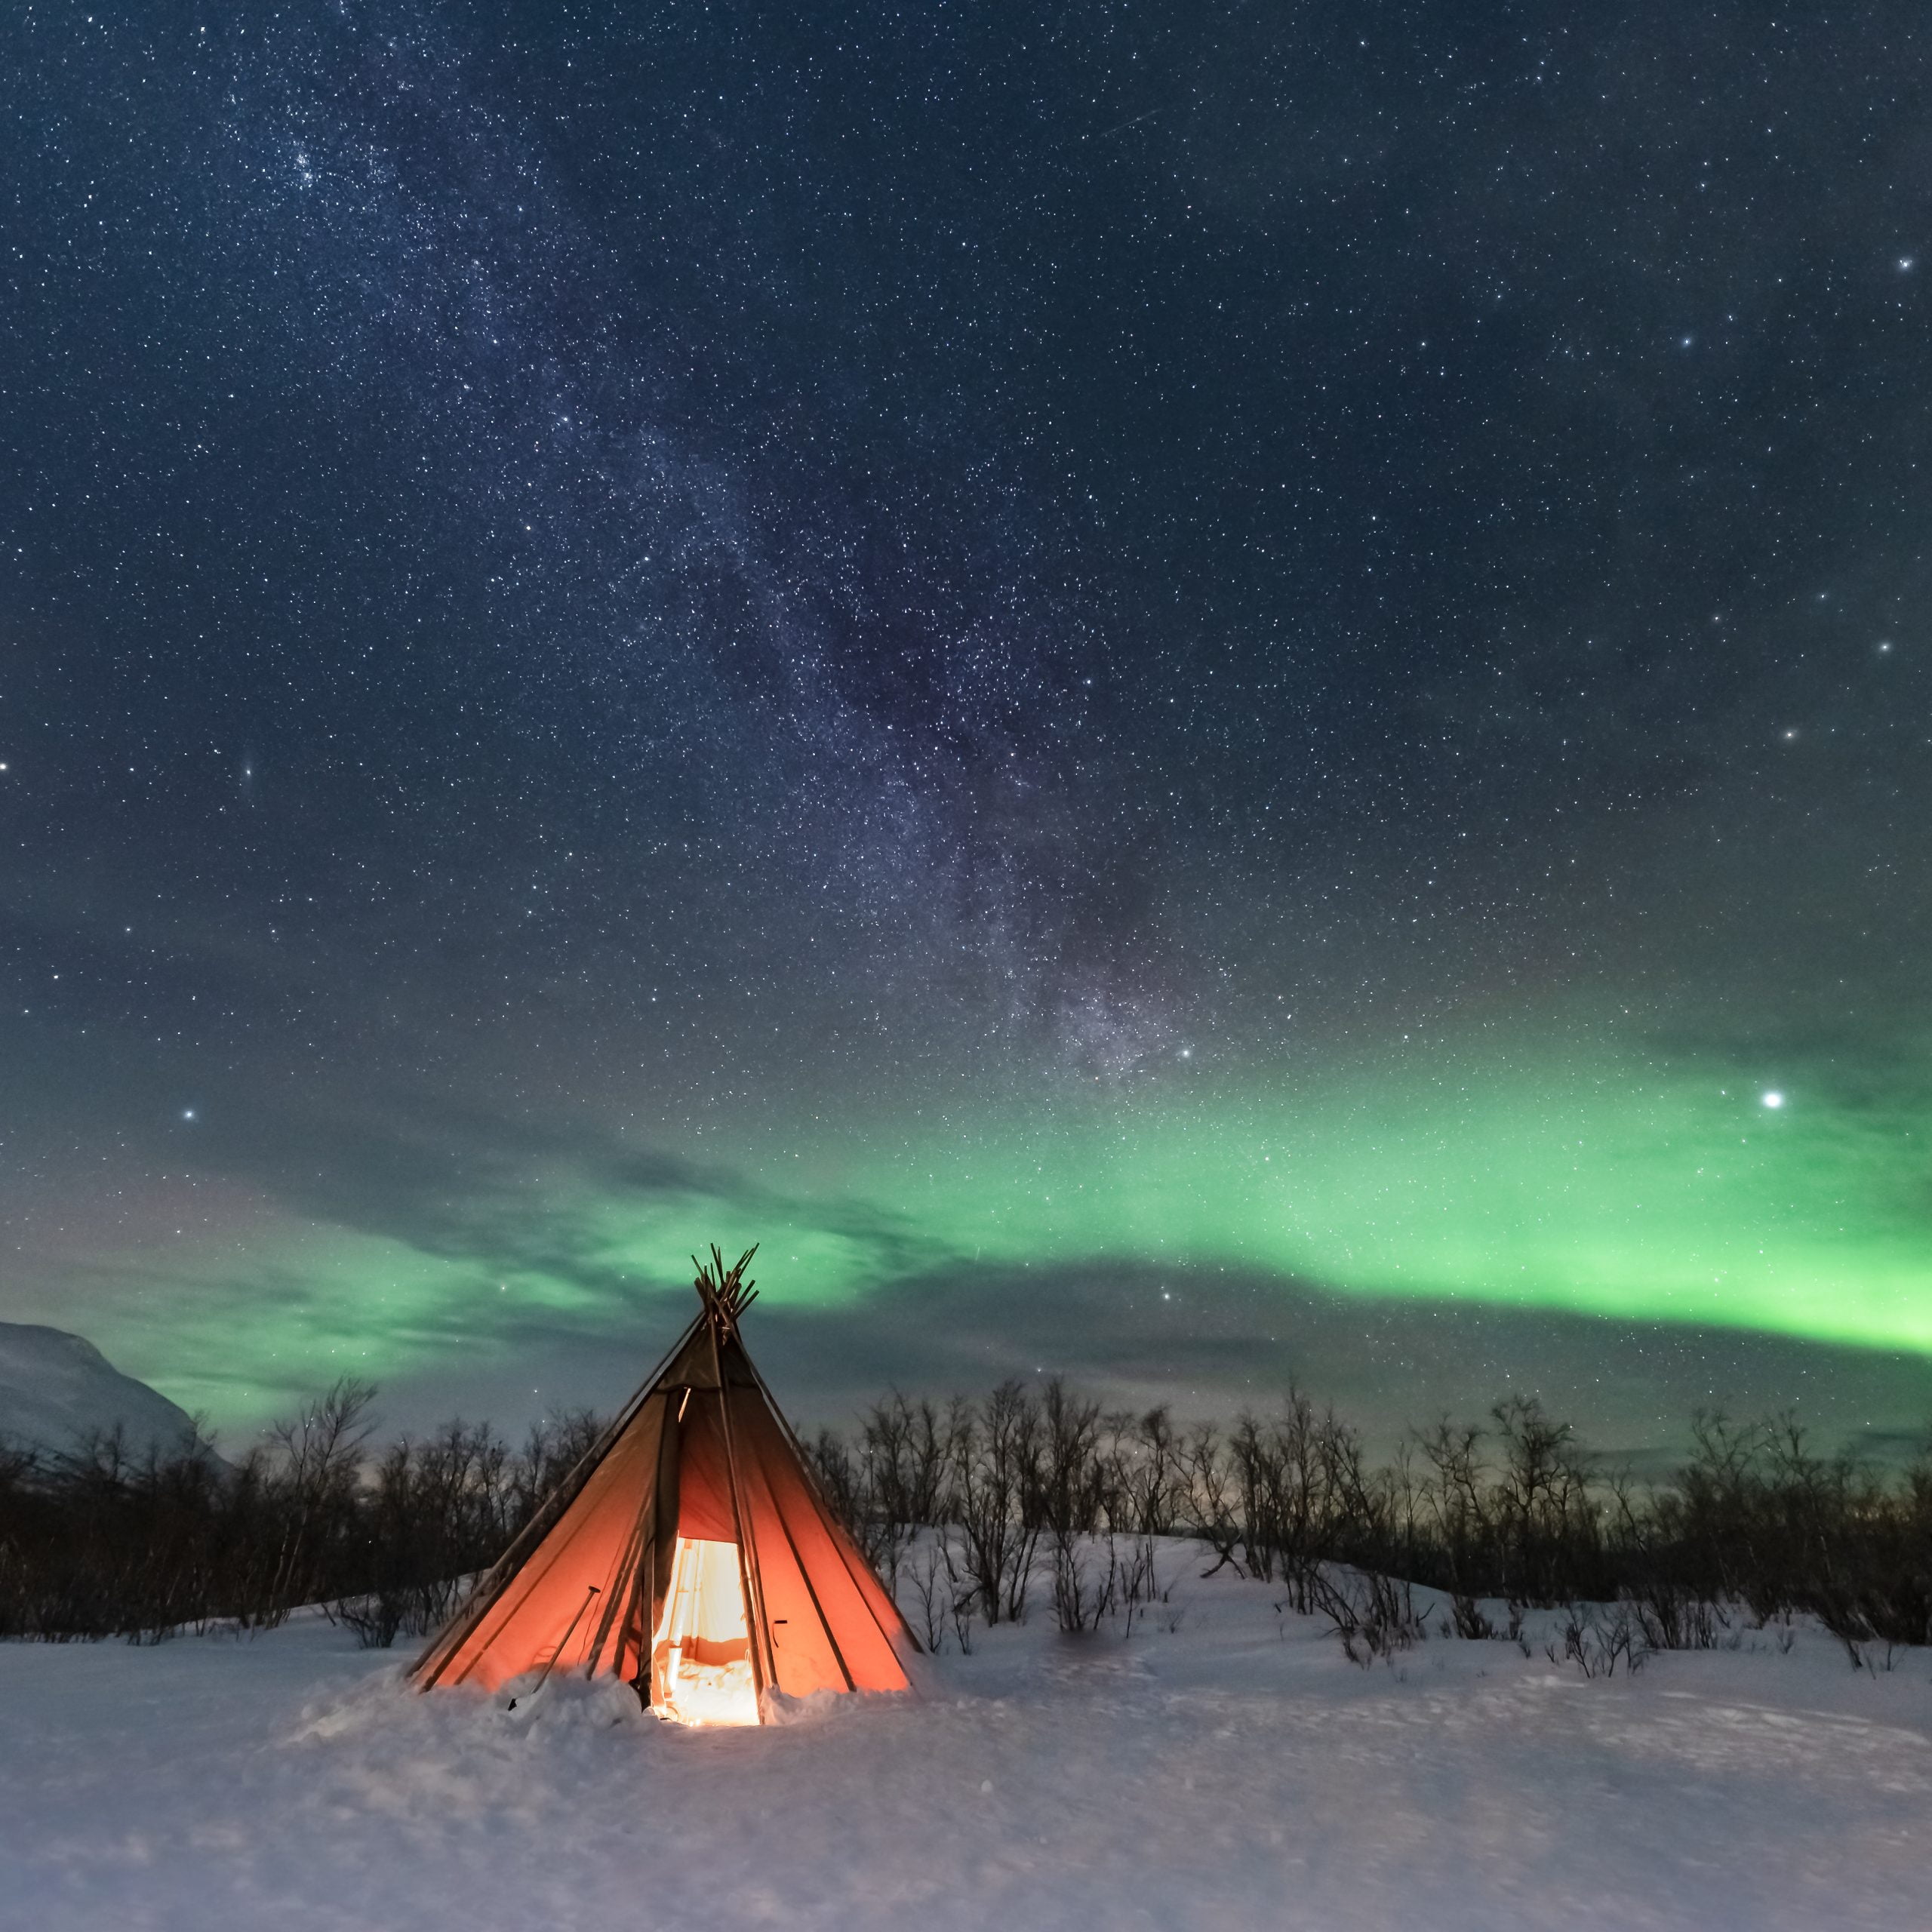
(1774, 1100)
(187, 1113)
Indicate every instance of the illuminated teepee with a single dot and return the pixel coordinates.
(690, 1554)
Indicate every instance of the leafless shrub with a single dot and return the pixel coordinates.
(1140, 1588)
(1146, 1480)
(1086, 1589)
(944, 1599)
(996, 1475)
(1209, 1506)
(1373, 1615)
(1597, 1638)
(1304, 1499)
(1672, 1619)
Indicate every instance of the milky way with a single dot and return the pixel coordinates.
(1184, 697)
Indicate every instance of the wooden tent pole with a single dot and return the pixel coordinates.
(763, 1669)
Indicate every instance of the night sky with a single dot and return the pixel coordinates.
(1182, 694)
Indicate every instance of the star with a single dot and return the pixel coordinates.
(945, 684)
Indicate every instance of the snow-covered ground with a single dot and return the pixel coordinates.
(1235, 1772)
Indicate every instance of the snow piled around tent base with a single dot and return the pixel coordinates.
(1234, 1771)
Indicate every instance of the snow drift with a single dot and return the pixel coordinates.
(1224, 1768)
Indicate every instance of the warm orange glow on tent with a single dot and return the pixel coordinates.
(701, 1662)
(690, 1553)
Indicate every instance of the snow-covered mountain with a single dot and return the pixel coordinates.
(57, 1389)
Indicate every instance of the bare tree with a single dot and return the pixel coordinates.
(996, 1457)
(1211, 1511)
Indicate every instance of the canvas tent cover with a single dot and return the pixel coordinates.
(690, 1553)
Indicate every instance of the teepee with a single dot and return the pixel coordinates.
(690, 1554)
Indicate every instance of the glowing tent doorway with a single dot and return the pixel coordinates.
(701, 1662)
(690, 1553)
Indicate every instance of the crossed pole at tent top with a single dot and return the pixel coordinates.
(724, 1291)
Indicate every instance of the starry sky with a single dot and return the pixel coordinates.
(1182, 694)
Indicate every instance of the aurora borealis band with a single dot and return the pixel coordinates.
(1183, 697)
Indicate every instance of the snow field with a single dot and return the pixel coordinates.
(1236, 1772)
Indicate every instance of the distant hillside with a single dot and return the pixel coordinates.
(57, 1389)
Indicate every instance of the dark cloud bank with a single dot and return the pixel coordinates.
(1209, 1341)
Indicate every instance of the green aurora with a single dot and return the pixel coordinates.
(1669, 1199)
(1616, 1185)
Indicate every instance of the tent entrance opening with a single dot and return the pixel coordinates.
(701, 1661)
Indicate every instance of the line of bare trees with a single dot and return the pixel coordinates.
(105, 1542)
(958, 1500)
(975, 1510)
